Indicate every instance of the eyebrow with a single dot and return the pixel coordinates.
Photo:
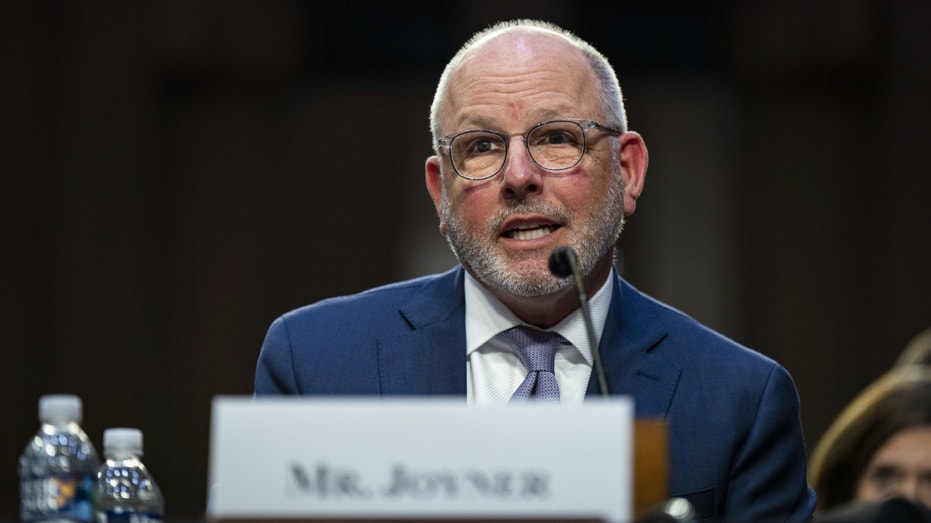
(547, 115)
(478, 122)
(485, 123)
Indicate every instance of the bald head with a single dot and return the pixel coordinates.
(534, 46)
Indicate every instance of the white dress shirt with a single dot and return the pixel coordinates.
(493, 372)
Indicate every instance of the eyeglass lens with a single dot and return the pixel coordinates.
(554, 146)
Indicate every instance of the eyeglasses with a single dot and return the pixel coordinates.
(554, 146)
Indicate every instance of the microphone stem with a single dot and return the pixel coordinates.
(589, 329)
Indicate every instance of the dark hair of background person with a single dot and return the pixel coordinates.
(898, 400)
(918, 351)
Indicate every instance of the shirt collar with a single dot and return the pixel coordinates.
(486, 316)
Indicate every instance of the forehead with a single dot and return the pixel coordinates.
(912, 445)
(521, 78)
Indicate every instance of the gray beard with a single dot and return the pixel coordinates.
(596, 235)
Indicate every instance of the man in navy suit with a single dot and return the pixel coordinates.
(533, 153)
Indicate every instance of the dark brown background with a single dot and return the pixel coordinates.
(177, 174)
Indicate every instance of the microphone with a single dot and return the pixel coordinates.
(563, 263)
(675, 510)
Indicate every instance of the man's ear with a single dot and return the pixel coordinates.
(434, 179)
(634, 158)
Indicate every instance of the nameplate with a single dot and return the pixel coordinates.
(292, 458)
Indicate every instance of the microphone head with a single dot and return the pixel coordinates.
(560, 261)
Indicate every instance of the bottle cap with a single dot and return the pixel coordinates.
(60, 408)
(122, 441)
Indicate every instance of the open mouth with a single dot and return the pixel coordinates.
(530, 232)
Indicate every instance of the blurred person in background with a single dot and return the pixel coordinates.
(879, 448)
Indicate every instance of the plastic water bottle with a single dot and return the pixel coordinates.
(57, 470)
(126, 492)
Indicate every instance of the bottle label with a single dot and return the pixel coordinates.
(63, 496)
(110, 516)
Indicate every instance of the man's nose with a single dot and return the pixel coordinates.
(522, 176)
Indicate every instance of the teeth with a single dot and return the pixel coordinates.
(530, 234)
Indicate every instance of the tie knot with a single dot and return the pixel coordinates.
(535, 348)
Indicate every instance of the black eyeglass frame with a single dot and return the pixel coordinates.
(584, 124)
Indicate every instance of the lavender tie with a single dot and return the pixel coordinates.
(537, 351)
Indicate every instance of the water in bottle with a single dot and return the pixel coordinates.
(126, 492)
(57, 470)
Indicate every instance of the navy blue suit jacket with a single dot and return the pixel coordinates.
(736, 444)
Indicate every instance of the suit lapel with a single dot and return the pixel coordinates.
(430, 359)
(633, 359)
